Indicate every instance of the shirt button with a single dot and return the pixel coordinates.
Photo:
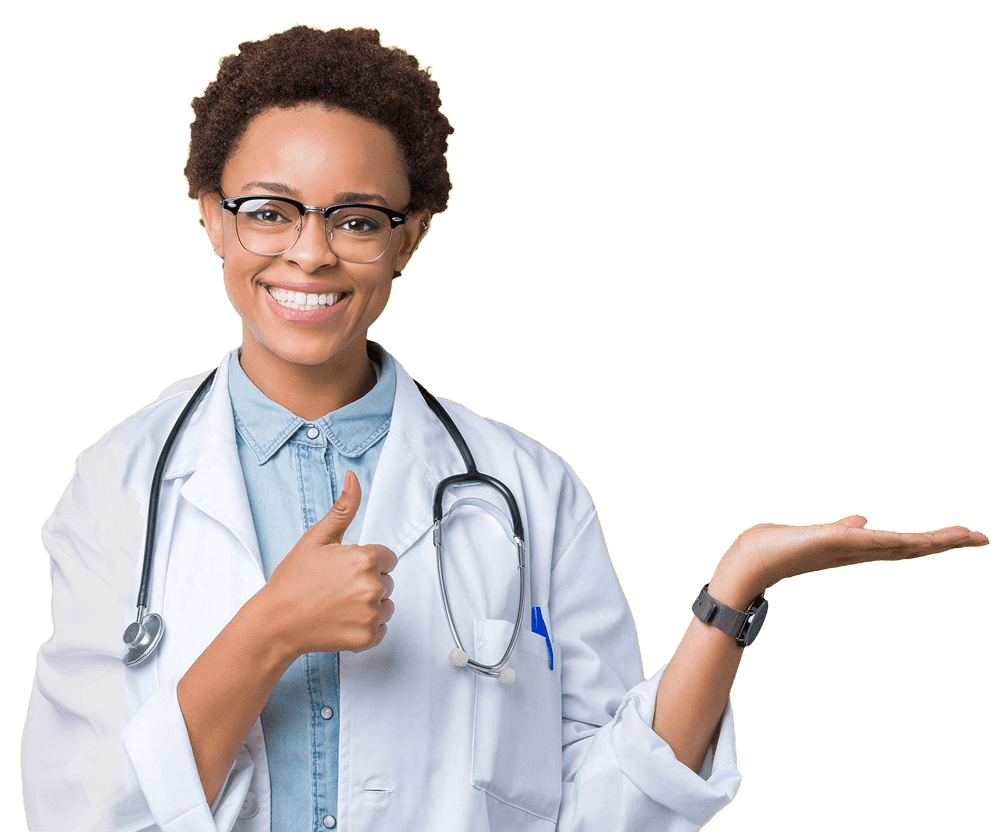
(312, 433)
(250, 806)
(329, 821)
(326, 712)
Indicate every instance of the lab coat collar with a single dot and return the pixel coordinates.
(205, 452)
(418, 453)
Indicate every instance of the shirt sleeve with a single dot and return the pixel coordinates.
(93, 757)
(618, 774)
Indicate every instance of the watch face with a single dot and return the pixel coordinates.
(754, 623)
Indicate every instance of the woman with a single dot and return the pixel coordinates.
(302, 682)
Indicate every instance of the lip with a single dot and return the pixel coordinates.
(302, 316)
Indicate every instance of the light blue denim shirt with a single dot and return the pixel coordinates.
(294, 470)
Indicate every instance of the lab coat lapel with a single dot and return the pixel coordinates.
(418, 453)
(205, 453)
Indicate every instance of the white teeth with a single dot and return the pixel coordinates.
(301, 300)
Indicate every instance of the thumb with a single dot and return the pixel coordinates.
(332, 525)
(855, 520)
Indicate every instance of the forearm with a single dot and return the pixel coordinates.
(225, 690)
(695, 686)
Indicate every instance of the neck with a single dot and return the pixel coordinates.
(309, 390)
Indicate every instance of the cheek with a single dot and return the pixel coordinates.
(378, 299)
(238, 271)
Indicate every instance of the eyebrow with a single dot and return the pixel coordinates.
(280, 189)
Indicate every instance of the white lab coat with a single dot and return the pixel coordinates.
(423, 745)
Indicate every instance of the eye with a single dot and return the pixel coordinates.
(269, 212)
(359, 225)
(358, 222)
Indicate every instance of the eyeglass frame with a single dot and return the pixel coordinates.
(232, 204)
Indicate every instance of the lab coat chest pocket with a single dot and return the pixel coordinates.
(517, 733)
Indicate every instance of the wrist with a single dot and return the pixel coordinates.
(273, 634)
(736, 581)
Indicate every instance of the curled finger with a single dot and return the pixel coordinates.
(387, 586)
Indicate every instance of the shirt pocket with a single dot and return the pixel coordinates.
(517, 731)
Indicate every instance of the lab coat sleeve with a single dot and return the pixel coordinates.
(617, 773)
(93, 757)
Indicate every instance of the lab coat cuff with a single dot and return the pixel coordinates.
(156, 741)
(651, 766)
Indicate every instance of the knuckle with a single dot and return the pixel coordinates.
(337, 511)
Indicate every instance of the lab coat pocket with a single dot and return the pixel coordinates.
(379, 811)
(517, 733)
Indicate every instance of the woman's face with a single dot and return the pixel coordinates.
(319, 157)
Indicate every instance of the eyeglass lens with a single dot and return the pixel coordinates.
(272, 226)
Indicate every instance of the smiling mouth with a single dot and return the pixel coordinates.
(304, 301)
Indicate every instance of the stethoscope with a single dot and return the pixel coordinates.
(143, 635)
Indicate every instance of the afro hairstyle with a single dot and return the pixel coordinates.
(345, 69)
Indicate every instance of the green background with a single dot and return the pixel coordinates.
(736, 263)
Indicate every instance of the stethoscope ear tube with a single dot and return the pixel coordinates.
(459, 655)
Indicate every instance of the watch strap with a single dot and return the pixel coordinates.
(713, 612)
(731, 621)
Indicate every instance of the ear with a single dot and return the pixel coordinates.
(211, 218)
(417, 225)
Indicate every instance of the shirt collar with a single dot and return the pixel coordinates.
(265, 425)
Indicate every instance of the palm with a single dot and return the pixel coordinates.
(780, 552)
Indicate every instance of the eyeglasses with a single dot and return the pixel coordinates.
(271, 225)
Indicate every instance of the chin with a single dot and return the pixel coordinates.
(304, 352)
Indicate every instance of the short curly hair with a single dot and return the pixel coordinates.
(347, 69)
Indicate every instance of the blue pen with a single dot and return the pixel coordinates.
(538, 626)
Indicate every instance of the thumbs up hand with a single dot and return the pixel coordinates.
(327, 596)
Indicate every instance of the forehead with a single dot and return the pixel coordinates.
(316, 153)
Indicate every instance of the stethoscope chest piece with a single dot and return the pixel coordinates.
(141, 638)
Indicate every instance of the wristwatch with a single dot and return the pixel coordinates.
(743, 626)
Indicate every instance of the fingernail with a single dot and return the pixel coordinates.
(347, 483)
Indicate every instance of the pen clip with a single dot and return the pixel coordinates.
(538, 627)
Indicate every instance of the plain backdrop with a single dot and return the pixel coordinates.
(736, 262)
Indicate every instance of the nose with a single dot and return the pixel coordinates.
(312, 251)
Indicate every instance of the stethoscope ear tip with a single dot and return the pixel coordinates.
(458, 657)
(507, 676)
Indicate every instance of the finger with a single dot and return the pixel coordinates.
(855, 521)
(388, 585)
(379, 635)
(385, 559)
(331, 526)
(869, 544)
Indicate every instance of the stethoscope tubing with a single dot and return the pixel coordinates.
(154, 493)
